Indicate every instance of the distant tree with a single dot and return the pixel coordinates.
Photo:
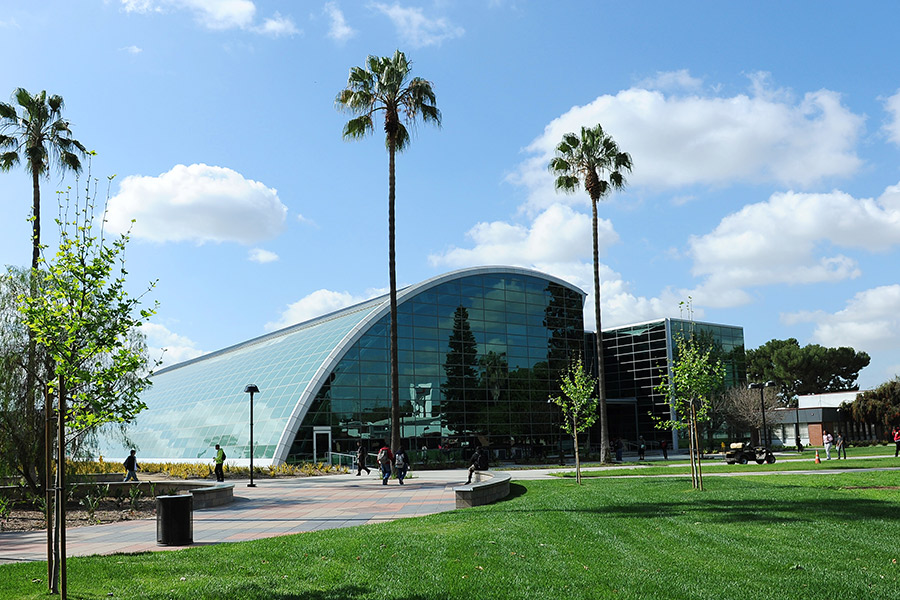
(460, 372)
(811, 369)
(692, 377)
(578, 404)
(594, 160)
(880, 405)
(743, 410)
(384, 85)
(32, 130)
(39, 135)
(22, 414)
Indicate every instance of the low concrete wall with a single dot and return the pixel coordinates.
(206, 493)
(488, 486)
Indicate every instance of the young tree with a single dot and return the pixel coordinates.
(593, 159)
(384, 85)
(86, 320)
(578, 404)
(693, 375)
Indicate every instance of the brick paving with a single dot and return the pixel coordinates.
(274, 507)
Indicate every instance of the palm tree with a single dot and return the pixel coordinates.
(385, 85)
(589, 159)
(40, 135)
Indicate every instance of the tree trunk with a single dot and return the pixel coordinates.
(601, 378)
(48, 484)
(699, 452)
(392, 267)
(577, 457)
(61, 494)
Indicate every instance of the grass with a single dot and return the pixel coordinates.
(719, 466)
(794, 536)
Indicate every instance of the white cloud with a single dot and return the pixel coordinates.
(316, 304)
(672, 80)
(870, 321)
(262, 256)
(168, 346)
(277, 26)
(132, 49)
(892, 127)
(416, 29)
(199, 203)
(557, 235)
(791, 238)
(339, 30)
(218, 15)
(681, 140)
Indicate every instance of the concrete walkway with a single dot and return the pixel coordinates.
(274, 507)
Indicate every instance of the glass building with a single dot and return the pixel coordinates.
(480, 352)
(636, 359)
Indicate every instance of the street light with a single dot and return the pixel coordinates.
(762, 405)
(251, 389)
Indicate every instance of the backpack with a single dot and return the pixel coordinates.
(223, 457)
(382, 456)
(399, 462)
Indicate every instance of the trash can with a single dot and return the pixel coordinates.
(175, 520)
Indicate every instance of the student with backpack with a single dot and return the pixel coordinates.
(220, 460)
(385, 458)
(362, 453)
(401, 463)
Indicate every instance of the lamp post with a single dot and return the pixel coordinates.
(251, 389)
(797, 425)
(762, 405)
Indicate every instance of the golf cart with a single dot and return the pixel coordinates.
(743, 453)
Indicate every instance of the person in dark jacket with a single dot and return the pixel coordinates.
(479, 462)
(401, 463)
(362, 453)
(131, 467)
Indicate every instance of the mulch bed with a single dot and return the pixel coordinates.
(25, 517)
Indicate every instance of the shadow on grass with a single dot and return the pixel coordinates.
(255, 591)
(713, 510)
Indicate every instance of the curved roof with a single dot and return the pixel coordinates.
(198, 403)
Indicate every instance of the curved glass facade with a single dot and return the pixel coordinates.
(480, 352)
(479, 355)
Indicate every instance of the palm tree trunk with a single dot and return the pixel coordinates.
(392, 267)
(601, 379)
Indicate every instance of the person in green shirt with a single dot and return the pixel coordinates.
(220, 460)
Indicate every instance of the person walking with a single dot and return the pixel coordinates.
(841, 445)
(385, 458)
(828, 440)
(131, 467)
(897, 441)
(362, 453)
(401, 463)
(619, 445)
(664, 445)
(642, 447)
(220, 461)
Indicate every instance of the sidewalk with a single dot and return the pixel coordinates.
(274, 507)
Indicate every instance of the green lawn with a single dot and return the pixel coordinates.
(791, 536)
(719, 466)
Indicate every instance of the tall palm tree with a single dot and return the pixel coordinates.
(593, 159)
(384, 85)
(40, 135)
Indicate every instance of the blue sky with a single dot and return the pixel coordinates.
(765, 138)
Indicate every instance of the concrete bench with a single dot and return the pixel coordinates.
(213, 495)
(486, 487)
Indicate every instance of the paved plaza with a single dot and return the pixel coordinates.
(274, 507)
